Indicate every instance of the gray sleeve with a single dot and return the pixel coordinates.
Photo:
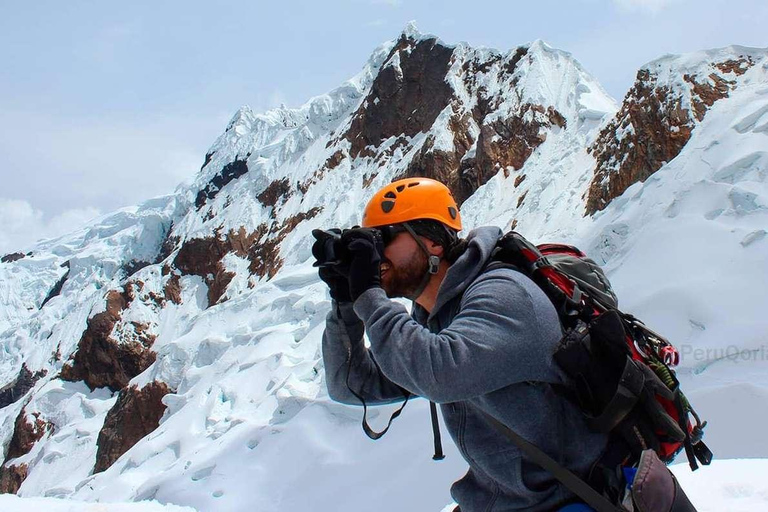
(504, 332)
(342, 339)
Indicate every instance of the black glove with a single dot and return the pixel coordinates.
(338, 285)
(365, 246)
(334, 277)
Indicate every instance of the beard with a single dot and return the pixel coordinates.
(404, 281)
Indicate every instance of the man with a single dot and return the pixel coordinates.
(477, 342)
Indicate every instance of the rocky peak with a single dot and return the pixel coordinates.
(669, 98)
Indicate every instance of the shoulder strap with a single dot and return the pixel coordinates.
(575, 484)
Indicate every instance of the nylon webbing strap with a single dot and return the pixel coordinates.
(367, 428)
(576, 485)
(436, 432)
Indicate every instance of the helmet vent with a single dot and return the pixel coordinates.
(452, 212)
(390, 195)
(413, 184)
(387, 206)
(400, 188)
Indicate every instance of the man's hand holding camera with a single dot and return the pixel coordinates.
(349, 260)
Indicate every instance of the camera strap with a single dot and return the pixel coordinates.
(366, 427)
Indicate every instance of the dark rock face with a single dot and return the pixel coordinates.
(510, 142)
(172, 289)
(203, 256)
(26, 434)
(56, 290)
(411, 90)
(404, 99)
(20, 386)
(10, 258)
(102, 361)
(208, 157)
(24, 437)
(503, 142)
(229, 172)
(651, 129)
(168, 246)
(11, 478)
(275, 191)
(133, 266)
(136, 414)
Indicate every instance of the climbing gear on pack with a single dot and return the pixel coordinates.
(411, 199)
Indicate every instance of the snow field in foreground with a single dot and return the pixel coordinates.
(734, 485)
(11, 503)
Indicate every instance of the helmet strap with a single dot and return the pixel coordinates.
(433, 260)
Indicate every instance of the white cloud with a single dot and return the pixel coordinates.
(23, 225)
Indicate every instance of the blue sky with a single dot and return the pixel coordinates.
(106, 104)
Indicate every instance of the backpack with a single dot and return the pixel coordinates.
(622, 373)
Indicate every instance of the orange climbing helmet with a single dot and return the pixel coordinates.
(411, 199)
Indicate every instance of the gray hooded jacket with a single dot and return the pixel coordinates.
(486, 346)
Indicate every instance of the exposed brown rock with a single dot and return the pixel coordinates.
(510, 142)
(202, 257)
(136, 414)
(521, 199)
(738, 66)
(172, 289)
(706, 93)
(405, 99)
(26, 434)
(11, 478)
(334, 160)
(23, 439)
(448, 167)
(519, 180)
(651, 129)
(10, 258)
(275, 191)
(556, 118)
(102, 361)
(265, 256)
(20, 386)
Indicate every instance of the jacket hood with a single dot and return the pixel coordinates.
(480, 245)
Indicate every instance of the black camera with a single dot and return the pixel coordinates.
(329, 251)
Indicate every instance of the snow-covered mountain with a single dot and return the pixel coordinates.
(170, 351)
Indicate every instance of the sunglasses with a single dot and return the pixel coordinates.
(388, 233)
